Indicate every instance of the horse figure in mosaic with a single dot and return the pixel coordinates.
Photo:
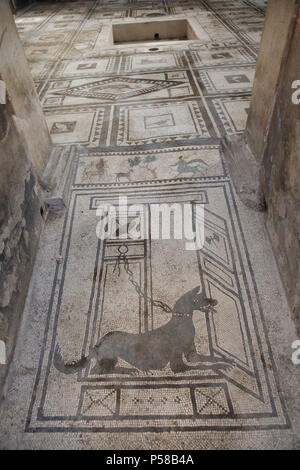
(184, 166)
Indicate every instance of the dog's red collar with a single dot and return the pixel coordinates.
(181, 314)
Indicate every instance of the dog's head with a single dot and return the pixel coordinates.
(193, 300)
(203, 303)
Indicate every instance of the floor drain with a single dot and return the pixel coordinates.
(153, 49)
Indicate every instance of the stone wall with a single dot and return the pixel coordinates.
(24, 149)
(280, 173)
(265, 161)
(278, 19)
(18, 4)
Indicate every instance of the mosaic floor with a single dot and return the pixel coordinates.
(147, 125)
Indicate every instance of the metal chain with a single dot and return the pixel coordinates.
(155, 303)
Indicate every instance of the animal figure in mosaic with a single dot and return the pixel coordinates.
(118, 87)
(153, 350)
(94, 171)
(186, 167)
(123, 175)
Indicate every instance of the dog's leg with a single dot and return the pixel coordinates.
(108, 366)
(104, 366)
(192, 356)
(177, 365)
(126, 370)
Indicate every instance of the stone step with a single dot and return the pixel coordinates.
(58, 177)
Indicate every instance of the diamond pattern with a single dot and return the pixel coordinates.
(117, 88)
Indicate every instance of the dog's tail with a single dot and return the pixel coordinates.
(68, 368)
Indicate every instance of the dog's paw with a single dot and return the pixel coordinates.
(225, 366)
(194, 358)
(232, 362)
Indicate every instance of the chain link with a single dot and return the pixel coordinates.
(156, 303)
